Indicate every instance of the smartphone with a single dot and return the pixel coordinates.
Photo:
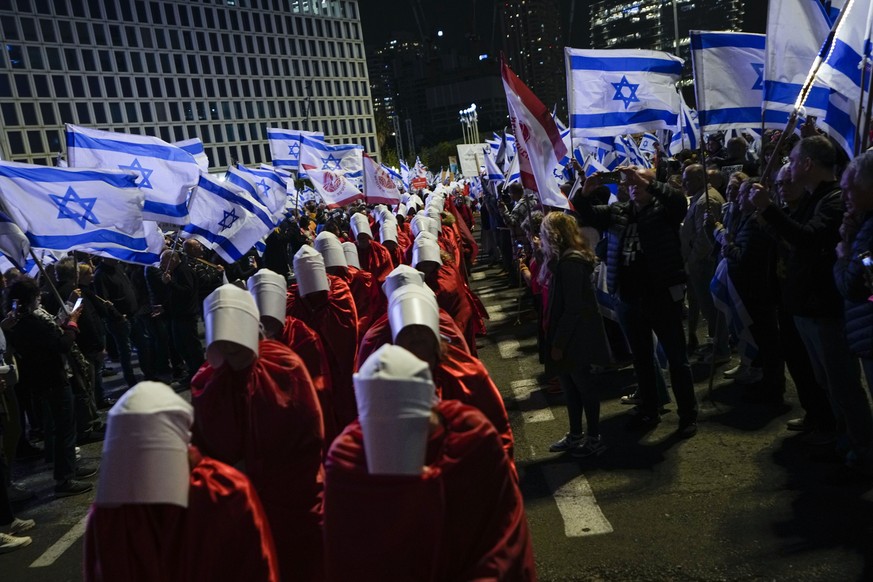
(78, 304)
(610, 177)
(15, 305)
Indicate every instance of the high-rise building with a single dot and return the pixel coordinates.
(221, 70)
(649, 24)
(534, 47)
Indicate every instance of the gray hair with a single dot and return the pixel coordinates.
(862, 167)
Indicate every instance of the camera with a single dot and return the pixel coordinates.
(610, 177)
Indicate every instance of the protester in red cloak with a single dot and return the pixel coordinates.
(165, 512)
(463, 228)
(325, 304)
(369, 301)
(388, 234)
(373, 256)
(453, 521)
(271, 295)
(404, 236)
(255, 404)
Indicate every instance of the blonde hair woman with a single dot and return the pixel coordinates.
(575, 338)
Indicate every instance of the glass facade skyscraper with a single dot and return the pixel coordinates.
(221, 70)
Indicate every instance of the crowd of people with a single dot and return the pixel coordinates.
(339, 382)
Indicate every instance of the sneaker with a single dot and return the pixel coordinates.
(69, 488)
(17, 493)
(567, 442)
(733, 372)
(592, 447)
(799, 425)
(643, 421)
(84, 471)
(632, 399)
(18, 525)
(10, 543)
(78, 454)
(687, 429)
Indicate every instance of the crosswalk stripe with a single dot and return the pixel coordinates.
(576, 502)
(62, 545)
(531, 401)
(509, 349)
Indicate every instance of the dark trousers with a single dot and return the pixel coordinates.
(6, 516)
(812, 395)
(184, 330)
(59, 422)
(656, 311)
(120, 332)
(140, 337)
(581, 398)
(765, 331)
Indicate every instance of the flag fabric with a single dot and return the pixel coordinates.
(727, 300)
(29, 267)
(627, 147)
(728, 78)
(648, 144)
(419, 170)
(379, 187)
(195, 147)
(165, 173)
(492, 172)
(537, 138)
(266, 186)
(285, 145)
(73, 208)
(13, 242)
(796, 30)
(346, 159)
(619, 91)
(226, 219)
(687, 134)
(513, 175)
(842, 72)
(334, 188)
(151, 256)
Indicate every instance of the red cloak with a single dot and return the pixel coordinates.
(376, 260)
(307, 344)
(379, 334)
(267, 417)
(451, 294)
(223, 534)
(370, 302)
(336, 323)
(462, 519)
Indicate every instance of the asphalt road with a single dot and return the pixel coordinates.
(743, 500)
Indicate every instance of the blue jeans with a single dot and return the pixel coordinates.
(838, 370)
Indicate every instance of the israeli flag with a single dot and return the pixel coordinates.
(29, 267)
(842, 71)
(285, 146)
(621, 91)
(404, 173)
(226, 219)
(687, 134)
(265, 186)
(195, 147)
(649, 144)
(346, 159)
(13, 242)
(151, 256)
(626, 146)
(74, 208)
(513, 175)
(493, 173)
(728, 59)
(796, 30)
(165, 173)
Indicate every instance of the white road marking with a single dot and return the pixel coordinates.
(62, 545)
(478, 276)
(576, 502)
(532, 401)
(496, 313)
(509, 349)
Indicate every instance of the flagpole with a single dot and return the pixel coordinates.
(859, 127)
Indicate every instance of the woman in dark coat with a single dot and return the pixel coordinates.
(575, 338)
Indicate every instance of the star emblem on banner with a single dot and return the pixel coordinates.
(144, 173)
(759, 82)
(294, 150)
(72, 197)
(619, 92)
(263, 184)
(229, 219)
(331, 163)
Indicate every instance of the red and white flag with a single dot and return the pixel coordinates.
(334, 188)
(379, 188)
(537, 138)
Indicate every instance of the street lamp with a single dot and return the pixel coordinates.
(470, 124)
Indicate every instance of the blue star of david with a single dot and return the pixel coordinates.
(263, 184)
(64, 210)
(619, 92)
(229, 219)
(294, 150)
(759, 82)
(331, 159)
(144, 173)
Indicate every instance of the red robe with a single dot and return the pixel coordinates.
(376, 260)
(462, 519)
(379, 334)
(222, 535)
(449, 242)
(396, 252)
(464, 230)
(370, 302)
(452, 295)
(267, 417)
(307, 344)
(336, 323)
(404, 240)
